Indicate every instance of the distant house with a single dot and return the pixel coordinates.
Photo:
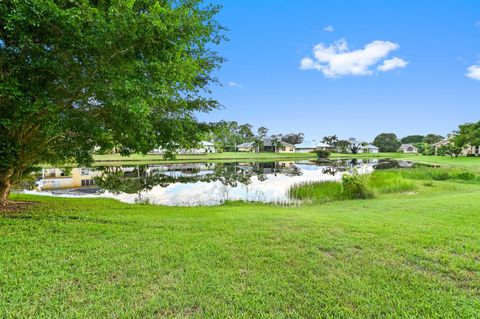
(246, 147)
(408, 148)
(204, 147)
(369, 148)
(57, 178)
(306, 147)
(310, 146)
(208, 147)
(471, 150)
(324, 146)
(467, 150)
(269, 145)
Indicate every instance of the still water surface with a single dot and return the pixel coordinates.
(199, 183)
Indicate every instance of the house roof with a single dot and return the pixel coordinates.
(307, 144)
(268, 142)
(311, 144)
(369, 146)
(247, 144)
(287, 144)
(405, 146)
(320, 144)
(205, 143)
(447, 141)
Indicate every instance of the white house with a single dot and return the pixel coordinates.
(246, 147)
(203, 148)
(310, 146)
(368, 149)
(208, 147)
(269, 145)
(324, 146)
(467, 150)
(408, 148)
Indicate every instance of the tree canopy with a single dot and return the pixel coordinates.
(432, 138)
(293, 138)
(387, 142)
(76, 75)
(330, 140)
(467, 134)
(412, 139)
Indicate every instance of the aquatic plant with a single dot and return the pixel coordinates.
(355, 186)
(316, 192)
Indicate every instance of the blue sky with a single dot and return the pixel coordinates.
(384, 66)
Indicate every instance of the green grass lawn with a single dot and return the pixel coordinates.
(116, 159)
(398, 255)
(469, 163)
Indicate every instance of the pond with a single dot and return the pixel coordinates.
(193, 184)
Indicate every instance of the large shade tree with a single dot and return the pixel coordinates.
(432, 138)
(76, 75)
(387, 142)
(468, 134)
(293, 138)
(412, 139)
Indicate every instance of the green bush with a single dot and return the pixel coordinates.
(467, 176)
(440, 175)
(322, 153)
(356, 187)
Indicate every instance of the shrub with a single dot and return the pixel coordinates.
(467, 176)
(440, 175)
(355, 187)
(322, 153)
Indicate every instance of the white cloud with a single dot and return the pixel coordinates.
(391, 64)
(338, 60)
(235, 85)
(329, 28)
(473, 72)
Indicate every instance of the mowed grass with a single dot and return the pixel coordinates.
(463, 162)
(117, 159)
(398, 256)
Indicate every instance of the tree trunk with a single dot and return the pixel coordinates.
(5, 186)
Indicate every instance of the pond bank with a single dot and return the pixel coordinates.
(415, 255)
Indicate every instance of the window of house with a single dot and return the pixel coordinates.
(84, 171)
(87, 182)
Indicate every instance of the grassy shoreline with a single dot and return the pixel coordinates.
(469, 163)
(116, 159)
(408, 255)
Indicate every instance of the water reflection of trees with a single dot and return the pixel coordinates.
(143, 178)
(334, 166)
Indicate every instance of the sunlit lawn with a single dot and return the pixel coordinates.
(115, 159)
(409, 255)
(470, 163)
